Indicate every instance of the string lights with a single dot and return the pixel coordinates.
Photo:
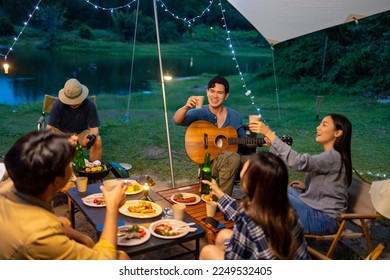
(248, 92)
(6, 65)
(379, 176)
(112, 9)
(185, 20)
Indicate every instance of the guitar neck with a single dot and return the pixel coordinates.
(251, 140)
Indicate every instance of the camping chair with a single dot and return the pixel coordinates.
(376, 252)
(316, 255)
(360, 212)
(47, 104)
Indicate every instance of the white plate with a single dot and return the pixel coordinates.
(134, 183)
(172, 223)
(126, 166)
(88, 200)
(185, 195)
(123, 241)
(128, 203)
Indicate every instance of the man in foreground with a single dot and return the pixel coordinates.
(39, 165)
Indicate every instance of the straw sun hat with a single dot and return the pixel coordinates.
(73, 92)
(380, 196)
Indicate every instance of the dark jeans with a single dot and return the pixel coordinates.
(314, 221)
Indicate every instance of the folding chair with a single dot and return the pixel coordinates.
(360, 212)
(316, 255)
(376, 252)
(48, 102)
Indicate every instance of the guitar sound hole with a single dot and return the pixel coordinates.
(221, 141)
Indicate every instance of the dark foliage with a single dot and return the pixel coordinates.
(355, 56)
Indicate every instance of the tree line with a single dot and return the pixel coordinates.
(64, 15)
(355, 56)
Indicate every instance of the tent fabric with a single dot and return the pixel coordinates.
(281, 20)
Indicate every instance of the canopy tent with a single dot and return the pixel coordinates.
(281, 20)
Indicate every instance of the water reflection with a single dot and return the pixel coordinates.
(35, 73)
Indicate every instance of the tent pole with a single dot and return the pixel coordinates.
(163, 92)
(276, 82)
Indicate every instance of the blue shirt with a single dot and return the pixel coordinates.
(233, 119)
(249, 241)
(67, 119)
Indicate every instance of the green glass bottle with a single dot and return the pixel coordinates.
(79, 157)
(205, 174)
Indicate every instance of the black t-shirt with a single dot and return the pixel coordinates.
(67, 119)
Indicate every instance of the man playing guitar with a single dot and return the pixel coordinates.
(226, 165)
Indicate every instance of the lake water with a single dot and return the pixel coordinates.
(34, 73)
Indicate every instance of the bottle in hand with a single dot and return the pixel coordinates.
(205, 174)
(79, 157)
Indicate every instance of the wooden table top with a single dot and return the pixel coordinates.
(198, 211)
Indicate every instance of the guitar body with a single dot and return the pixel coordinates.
(203, 137)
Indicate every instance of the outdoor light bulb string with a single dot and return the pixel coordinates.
(21, 31)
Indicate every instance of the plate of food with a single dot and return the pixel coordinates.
(133, 187)
(140, 209)
(168, 229)
(209, 197)
(94, 200)
(185, 198)
(132, 235)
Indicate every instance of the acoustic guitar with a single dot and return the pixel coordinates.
(203, 137)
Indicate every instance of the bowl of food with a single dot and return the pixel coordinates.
(95, 173)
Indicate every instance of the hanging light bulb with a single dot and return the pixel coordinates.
(168, 76)
(6, 67)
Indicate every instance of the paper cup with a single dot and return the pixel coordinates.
(254, 118)
(81, 183)
(211, 208)
(200, 101)
(178, 211)
(111, 184)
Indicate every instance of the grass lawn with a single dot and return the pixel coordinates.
(141, 140)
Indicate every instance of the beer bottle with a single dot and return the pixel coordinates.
(79, 157)
(205, 174)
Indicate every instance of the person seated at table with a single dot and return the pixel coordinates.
(74, 113)
(266, 226)
(38, 164)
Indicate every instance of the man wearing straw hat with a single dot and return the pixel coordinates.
(74, 113)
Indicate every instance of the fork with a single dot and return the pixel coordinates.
(125, 234)
(183, 229)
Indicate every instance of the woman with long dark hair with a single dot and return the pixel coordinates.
(266, 225)
(322, 197)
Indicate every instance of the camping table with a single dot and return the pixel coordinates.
(96, 215)
(198, 211)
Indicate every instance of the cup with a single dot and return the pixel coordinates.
(178, 211)
(254, 118)
(81, 183)
(200, 101)
(110, 184)
(211, 208)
